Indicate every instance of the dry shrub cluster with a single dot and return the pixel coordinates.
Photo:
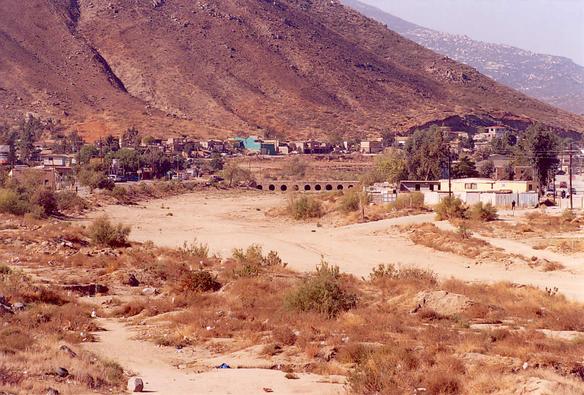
(252, 261)
(103, 233)
(304, 207)
(133, 193)
(323, 292)
(537, 223)
(460, 243)
(32, 334)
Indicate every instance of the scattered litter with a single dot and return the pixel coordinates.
(266, 389)
(223, 366)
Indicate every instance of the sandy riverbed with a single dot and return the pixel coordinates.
(227, 220)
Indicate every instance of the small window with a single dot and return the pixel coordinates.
(432, 187)
(530, 187)
(417, 187)
(471, 185)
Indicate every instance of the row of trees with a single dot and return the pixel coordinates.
(426, 157)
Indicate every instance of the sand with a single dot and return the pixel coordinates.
(235, 219)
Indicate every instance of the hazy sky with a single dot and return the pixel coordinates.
(546, 26)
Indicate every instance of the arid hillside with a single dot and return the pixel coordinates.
(555, 80)
(299, 68)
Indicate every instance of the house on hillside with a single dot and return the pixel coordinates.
(5, 154)
(45, 176)
(251, 143)
(58, 160)
(491, 133)
(401, 141)
(371, 146)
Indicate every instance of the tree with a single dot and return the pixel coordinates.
(232, 173)
(388, 138)
(129, 159)
(157, 161)
(216, 163)
(86, 153)
(392, 166)
(540, 148)
(465, 167)
(427, 154)
(29, 130)
(131, 138)
(8, 137)
(486, 169)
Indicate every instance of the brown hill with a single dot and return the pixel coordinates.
(298, 67)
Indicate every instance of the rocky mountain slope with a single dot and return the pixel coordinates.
(553, 79)
(297, 67)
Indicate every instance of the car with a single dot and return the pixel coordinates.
(117, 178)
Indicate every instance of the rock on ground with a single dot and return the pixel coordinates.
(442, 302)
(135, 384)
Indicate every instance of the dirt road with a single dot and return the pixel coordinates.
(227, 220)
(157, 367)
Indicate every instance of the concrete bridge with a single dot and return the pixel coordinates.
(306, 186)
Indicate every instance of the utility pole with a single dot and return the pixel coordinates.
(570, 175)
(449, 174)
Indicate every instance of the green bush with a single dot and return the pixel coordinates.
(198, 281)
(12, 203)
(45, 199)
(451, 208)
(483, 212)
(252, 261)
(323, 292)
(95, 179)
(305, 207)
(103, 233)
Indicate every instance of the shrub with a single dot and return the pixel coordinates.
(351, 201)
(195, 250)
(119, 193)
(389, 271)
(198, 281)
(94, 179)
(68, 201)
(305, 207)
(323, 292)
(408, 200)
(11, 203)
(45, 199)
(5, 269)
(252, 260)
(451, 208)
(567, 216)
(102, 232)
(284, 335)
(483, 212)
(463, 231)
